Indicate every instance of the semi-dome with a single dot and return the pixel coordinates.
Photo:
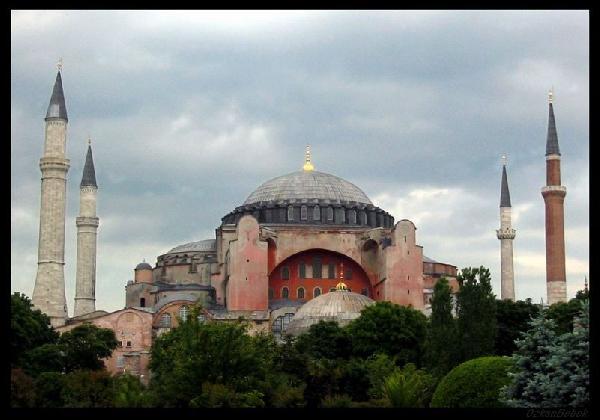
(198, 246)
(341, 306)
(308, 185)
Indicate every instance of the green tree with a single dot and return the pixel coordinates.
(474, 384)
(22, 391)
(476, 309)
(85, 345)
(195, 353)
(441, 343)
(88, 389)
(563, 314)
(409, 387)
(29, 328)
(552, 370)
(45, 358)
(48, 387)
(326, 339)
(512, 319)
(129, 392)
(386, 327)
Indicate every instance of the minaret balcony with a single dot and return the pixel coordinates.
(506, 233)
(554, 190)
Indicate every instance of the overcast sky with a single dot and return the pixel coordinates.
(190, 111)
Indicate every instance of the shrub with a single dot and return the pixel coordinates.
(409, 387)
(474, 384)
(337, 401)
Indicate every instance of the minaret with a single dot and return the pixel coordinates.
(506, 234)
(49, 290)
(87, 226)
(554, 196)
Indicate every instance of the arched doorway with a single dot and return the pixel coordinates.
(300, 275)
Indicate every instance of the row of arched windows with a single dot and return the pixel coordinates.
(165, 319)
(300, 292)
(316, 215)
(317, 270)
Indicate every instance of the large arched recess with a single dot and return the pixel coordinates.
(344, 267)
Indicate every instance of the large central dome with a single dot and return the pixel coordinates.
(308, 185)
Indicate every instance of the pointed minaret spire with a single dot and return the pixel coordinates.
(506, 234)
(87, 232)
(89, 174)
(57, 107)
(504, 192)
(308, 166)
(586, 284)
(552, 136)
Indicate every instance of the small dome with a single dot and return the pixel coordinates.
(198, 246)
(308, 185)
(143, 266)
(341, 306)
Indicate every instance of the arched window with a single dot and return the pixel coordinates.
(285, 293)
(165, 321)
(303, 213)
(280, 324)
(183, 313)
(285, 273)
(316, 292)
(302, 270)
(300, 293)
(142, 302)
(271, 293)
(348, 272)
(329, 213)
(352, 217)
(317, 268)
(290, 213)
(317, 213)
(331, 270)
(363, 218)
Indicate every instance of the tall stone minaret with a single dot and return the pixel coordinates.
(87, 226)
(506, 234)
(49, 290)
(554, 196)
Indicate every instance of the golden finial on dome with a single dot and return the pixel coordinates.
(308, 166)
(341, 286)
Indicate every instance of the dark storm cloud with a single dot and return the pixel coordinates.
(190, 111)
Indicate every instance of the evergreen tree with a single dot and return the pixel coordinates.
(512, 319)
(476, 309)
(440, 353)
(552, 370)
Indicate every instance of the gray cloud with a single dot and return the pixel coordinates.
(190, 111)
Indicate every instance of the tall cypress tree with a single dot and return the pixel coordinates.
(476, 309)
(441, 342)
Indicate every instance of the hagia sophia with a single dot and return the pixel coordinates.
(301, 247)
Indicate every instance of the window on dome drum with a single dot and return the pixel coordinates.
(165, 321)
(271, 293)
(316, 213)
(285, 293)
(329, 213)
(348, 273)
(290, 214)
(331, 270)
(316, 292)
(317, 268)
(303, 213)
(352, 217)
(300, 293)
(363, 217)
(285, 273)
(280, 325)
(302, 270)
(143, 302)
(183, 313)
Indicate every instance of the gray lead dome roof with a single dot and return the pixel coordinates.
(308, 185)
(199, 246)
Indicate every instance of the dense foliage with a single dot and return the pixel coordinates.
(474, 384)
(512, 319)
(476, 309)
(441, 345)
(395, 330)
(563, 314)
(551, 370)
